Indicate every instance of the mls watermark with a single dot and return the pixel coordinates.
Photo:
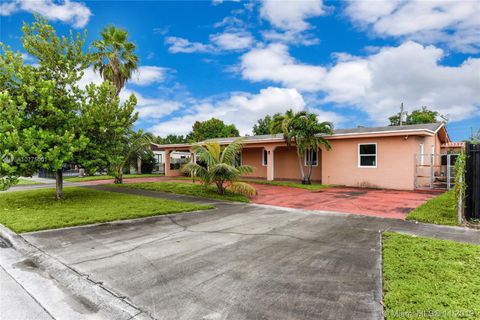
(8, 158)
(431, 314)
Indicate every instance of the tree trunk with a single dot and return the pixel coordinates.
(118, 176)
(310, 163)
(139, 165)
(59, 185)
(300, 164)
(221, 189)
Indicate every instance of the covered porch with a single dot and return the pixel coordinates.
(272, 160)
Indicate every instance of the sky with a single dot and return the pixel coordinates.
(351, 62)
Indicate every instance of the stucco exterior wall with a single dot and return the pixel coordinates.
(395, 163)
(286, 165)
(253, 157)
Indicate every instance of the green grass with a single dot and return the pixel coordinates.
(430, 277)
(290, 184)
(188, 189)
(26, 182)
(35, 210)
(108, 177)
(439, 210)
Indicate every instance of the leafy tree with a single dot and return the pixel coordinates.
(475, 139)
(304, 130)
(107, 123)
(263, 125)
(115, 57)
(423, 115)
(171, 139)
(210, 129)
(220, 167)
(40, 105)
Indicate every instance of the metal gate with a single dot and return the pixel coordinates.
(435, 171)
(472, 179)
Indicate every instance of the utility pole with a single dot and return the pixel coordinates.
(401, 114)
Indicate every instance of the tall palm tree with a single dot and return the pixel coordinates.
(303, 129)
(115, 57)
(220, 167)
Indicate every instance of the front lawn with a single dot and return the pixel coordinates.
(26, 182)
(430, 278)
(312, 186)
(35, 210)
(191, 189)
(107, 177)
(439, 210)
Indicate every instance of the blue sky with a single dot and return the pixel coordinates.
(353, 63)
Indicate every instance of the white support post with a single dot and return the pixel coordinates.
(270, 163)
(167, 163)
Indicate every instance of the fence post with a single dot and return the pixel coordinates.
(431, 170)
(448, 172)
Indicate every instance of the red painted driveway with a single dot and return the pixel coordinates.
(378, 203)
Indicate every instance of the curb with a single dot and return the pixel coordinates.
(109, 305)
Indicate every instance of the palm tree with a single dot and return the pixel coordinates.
(115, 57)
(306, 132)
(220, 167)
(137, 144)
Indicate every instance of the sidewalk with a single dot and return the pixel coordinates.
(30, 293)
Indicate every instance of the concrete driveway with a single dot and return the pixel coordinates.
(238, 261)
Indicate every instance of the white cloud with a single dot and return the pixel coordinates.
(378, 83)
(71, 12)
(291, 15)
(290, 37)
(455, 23)
(242, 109)
(8, 8)
(147, 75)
(89, 76)
(182, 45)
(275, 64)
(232, 40)
(151, 109)
(144, 76)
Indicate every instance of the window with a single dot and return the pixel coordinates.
(422, 156)
(314, 157)
(264, 157)
(367, 155)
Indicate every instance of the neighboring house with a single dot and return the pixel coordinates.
(177, 158)
(393, 157)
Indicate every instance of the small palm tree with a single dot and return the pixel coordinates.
(303, 129)
(220, 167)
(115, 57)
(137, 144)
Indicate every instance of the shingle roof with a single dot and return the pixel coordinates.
(426, 126)
(359, 130)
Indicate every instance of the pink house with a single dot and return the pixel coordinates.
(393, 157)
